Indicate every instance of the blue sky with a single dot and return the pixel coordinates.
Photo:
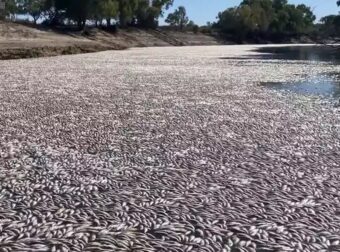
(202, 11)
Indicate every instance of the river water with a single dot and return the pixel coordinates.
(325, 85)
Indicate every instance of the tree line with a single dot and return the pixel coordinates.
(274, 20)
(266, 19)
(144, 13)
(259, 19)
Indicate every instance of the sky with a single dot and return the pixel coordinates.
(202, 11)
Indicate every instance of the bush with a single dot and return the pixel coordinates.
(195, 29)
(206, 30)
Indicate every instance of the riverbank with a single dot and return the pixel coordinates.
(25, 41)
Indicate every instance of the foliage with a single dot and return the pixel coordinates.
(250, 20)
(34, 8)
(329, 26)
(147, 15)
(192, 26)
(105, 9)
(260, 18)
(11, 7)
(178, 18)
(144, 12)
(127, 8)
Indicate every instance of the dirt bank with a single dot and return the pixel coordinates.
(22, 41)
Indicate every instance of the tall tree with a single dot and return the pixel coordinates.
(76, 10)
(34, 8)
(148, 12)
(178, 18)
(105, 9)
(11, 8)
(127, 9)
(266, 17)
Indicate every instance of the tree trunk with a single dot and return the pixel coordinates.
(122, 14)
(122, 20)
(80, 24)
(108, 22)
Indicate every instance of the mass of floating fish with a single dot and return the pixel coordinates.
(166, 149)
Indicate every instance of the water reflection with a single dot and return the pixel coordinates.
(318, 85)
(326, 85)
(310, 53)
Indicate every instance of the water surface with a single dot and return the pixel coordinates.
(310, 53)
(324, 85)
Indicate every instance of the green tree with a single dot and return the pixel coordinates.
(11, 7)
(76, 10)
(178, 18)
(266, 18)
(308, 16)
(145, 12)
(34, 8)
(237, 22)
(162, 5)
(105, 9)
(330, 26)
(148, 13)
(191, 24)
(50, 13)
(127, 9)
(279, 4)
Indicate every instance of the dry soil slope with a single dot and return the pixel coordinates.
(193, 39)
(21, 41)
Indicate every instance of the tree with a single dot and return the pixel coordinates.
(162, 5)
(191, 24)
(148, 13)
(34, 8)
(11, 8)
(51, 13)
(127, 9)
(279, 4)
(76, 10)
(308, 16)
(266, 18)
(330, 26)
(105, 9)
(57, 12)
(178, 18)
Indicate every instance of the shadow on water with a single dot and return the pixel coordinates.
(325, 85)
(306, 53)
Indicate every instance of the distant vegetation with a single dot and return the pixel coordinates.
(276, 21)
(266, 19)
(141, 13)
(178, 18)
(252, 20)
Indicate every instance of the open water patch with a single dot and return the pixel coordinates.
(325, 85)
